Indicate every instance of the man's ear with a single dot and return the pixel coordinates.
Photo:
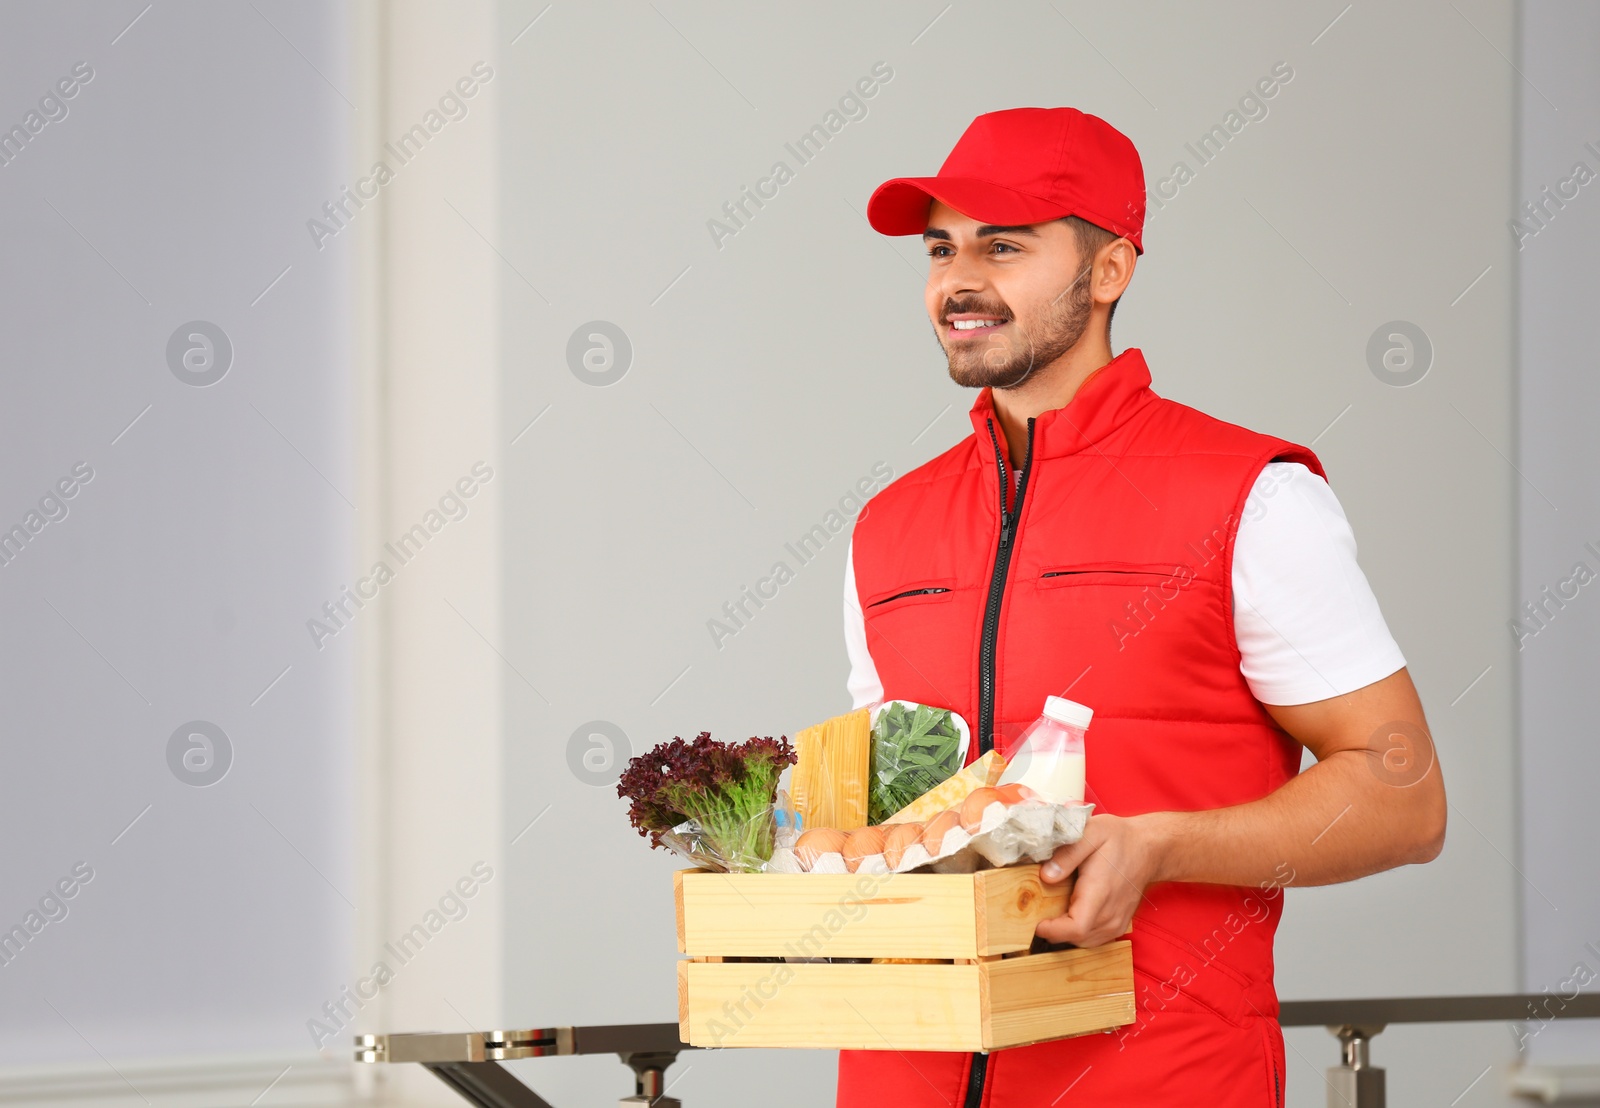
(1113, 269)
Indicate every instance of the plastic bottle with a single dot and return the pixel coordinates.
(1049, 756)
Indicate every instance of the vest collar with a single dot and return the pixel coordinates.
(1108, 399)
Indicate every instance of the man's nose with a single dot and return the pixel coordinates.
(962, 276)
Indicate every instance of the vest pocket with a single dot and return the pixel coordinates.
(910, 595)
(1115, 573)
(903, 595)
(1206, 982)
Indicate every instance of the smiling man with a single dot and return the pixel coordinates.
(1193, 581)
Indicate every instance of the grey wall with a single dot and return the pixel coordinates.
(770, 373)
(1559, 512)
(178, 583)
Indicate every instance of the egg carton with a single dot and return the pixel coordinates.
(1027, 831)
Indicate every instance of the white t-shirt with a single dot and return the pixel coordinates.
(1305, 618)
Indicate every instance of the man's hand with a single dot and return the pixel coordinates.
(1115, 860)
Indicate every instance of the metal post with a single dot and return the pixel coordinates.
(649, 1079)
(1356, 1082)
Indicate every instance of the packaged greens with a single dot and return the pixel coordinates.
(914, 748)
(714, 803)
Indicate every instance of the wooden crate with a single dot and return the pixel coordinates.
(983, 992)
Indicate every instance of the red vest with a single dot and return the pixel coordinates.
(1111, 583)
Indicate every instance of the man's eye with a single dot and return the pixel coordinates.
(933, 252)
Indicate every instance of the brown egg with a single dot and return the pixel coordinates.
(897, 839)
(972, 808)
(1014, 793)
(815, 843)
(860, 843)
(933, 837)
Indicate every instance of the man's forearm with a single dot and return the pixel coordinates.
(1335, 821)
(1373, 800)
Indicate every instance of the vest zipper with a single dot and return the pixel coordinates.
(902, 595)
(980, 1068)
(997, 587)
(991, 630)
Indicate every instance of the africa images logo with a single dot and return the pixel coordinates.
(452, 508)
(52, 109)
(736, 614)
(851, 108)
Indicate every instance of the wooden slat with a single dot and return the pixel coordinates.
(975, 1006)
(824, 915)
(683, 1002)
(677, 900)
(832, 1007)
(1010, 903)
(1052, 996)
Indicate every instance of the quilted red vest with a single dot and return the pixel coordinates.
(1106, 577)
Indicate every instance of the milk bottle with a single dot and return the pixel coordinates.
(1048, 758)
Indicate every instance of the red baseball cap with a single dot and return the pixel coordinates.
(1026, 165)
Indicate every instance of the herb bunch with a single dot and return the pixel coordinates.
(914, 748)
(726, 790)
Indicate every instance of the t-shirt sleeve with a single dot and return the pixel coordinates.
(1306, 620)
(864, 686)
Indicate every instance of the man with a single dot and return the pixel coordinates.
(1192, 581)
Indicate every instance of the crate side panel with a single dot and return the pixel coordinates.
(1010, 904)
(1057, 995)
(815, 915)
(832, 1007)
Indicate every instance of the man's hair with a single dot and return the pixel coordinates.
(1091, 238)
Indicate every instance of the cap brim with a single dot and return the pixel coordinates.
(900, 206)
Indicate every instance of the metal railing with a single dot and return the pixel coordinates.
(469, 1062)
(1357, 1083)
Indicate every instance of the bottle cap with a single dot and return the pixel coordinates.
(1069, 712)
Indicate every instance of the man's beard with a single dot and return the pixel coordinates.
(975, 365)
